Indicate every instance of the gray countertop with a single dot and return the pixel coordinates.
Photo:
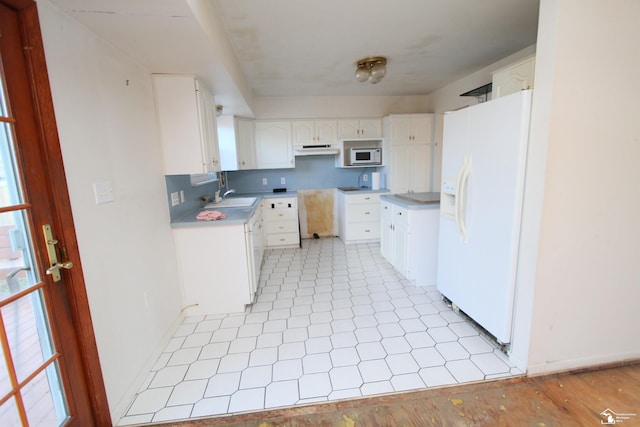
(426, 200)
(235, 216)
(352, 190)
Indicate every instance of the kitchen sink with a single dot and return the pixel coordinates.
(233, 202)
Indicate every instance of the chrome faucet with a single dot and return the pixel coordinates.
(226, 193)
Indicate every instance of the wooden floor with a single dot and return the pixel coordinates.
(572, 399)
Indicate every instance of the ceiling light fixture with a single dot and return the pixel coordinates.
(371, 69)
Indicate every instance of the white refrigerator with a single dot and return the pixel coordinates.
(483, 171)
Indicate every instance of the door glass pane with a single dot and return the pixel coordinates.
(27, 333)
(10, 188)
(16, 271)
(5, 381)
(9, 414)
(43, 399)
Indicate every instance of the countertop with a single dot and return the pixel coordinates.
(427, 200)
(352, 190)
(235, 216)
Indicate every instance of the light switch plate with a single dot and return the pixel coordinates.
(103, 192)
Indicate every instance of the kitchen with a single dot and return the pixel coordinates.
(134, 168)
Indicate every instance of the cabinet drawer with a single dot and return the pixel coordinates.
(281, 203)
(282, 214)
(363, 213)
(283, 239)
(275, 227)
(363, 198)
(364, 231)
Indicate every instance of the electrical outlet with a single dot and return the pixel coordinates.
(182, 196)
(365, 177)
(283, 181)
(264, 181)
(175, 199)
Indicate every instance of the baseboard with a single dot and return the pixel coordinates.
(119, 410)
(587, 363)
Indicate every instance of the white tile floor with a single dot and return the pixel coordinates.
(330, 322)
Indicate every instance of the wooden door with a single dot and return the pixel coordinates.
(49, 369)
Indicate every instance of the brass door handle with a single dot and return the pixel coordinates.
(56, 268)
(51, 242)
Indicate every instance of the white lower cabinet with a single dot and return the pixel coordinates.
(281, 221)
(409, 240)
(359, 215)
(219, 266)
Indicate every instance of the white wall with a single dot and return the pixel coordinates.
(106, 120)
(336, 106)
(587, 286)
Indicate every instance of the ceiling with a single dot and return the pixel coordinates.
(310, 47)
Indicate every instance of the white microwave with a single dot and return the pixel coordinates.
(365, 156)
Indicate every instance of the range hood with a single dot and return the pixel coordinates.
(316, 150)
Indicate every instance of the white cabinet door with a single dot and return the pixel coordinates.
(386, 231)
(313, 132)
(326, 131)
(370, 128)
(421, 166)
(187, 123)
(246, 147)
(409, 241)
(513, 78)
(409, 146)
(416, 129)
(208, 128)
(274, 147)
(359, 128)
(399, 177)
(303, 132)
(214, 281)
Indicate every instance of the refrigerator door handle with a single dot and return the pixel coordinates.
(457, 199)
(461, 200)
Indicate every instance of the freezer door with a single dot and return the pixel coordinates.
(451, 249)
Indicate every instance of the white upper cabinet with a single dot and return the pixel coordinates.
(237, 145)
(411, 129)
(245, 144)
(274, 145)
(186, 113)
(359, 128)
(409, 152)
(314, 132)
(513, 78)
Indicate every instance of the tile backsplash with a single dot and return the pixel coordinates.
(311, 172)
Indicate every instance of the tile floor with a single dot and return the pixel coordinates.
(330, 322)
